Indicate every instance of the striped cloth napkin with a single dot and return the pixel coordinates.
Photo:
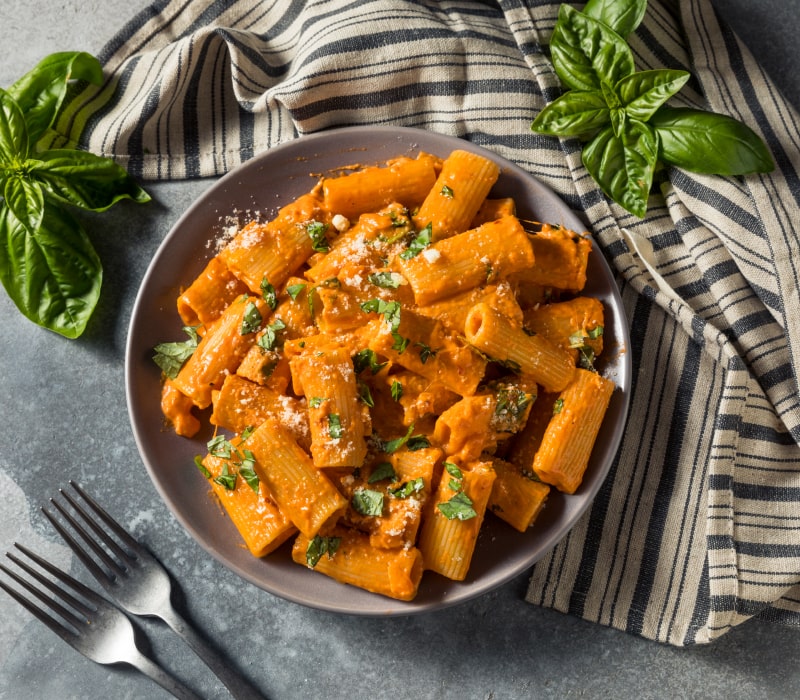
(697, 528)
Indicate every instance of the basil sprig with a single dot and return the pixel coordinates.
(48, 265)
(622, 114)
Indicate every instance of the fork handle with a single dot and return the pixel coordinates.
(160, 676)
(235, 683)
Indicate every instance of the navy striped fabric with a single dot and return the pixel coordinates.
(697, 528)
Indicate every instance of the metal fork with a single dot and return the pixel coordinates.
(135, 580)
(92, 626)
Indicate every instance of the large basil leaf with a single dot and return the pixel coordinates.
(711, 143)
(25, 199)
(575, 113)
(13, 133)
(84, 179)
(52, 273)
(40, 92)
(623, 16)
(624, 167)
(644, 92)
(586, 53)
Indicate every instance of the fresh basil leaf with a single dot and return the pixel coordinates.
(585, 52)
(293, 290)
(624, 167)
(220, 446)
(367, 358)
(644, 92)
(409, 488)
(26, 201)
(52, 274)
(711, 143)
(226, 479)
(318, 546)
(387, 280)
(170, 357)
(382, 471)
(575, 113)
(421, 241)
(268, 294)
(84, 180)
(251, 319)
(459, 507)
(335, 430)
(14, 142)
(198, 462)
(41, 91)
(367, 502)
(623, 16)
(397, 390)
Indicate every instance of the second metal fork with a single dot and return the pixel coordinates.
(83, 619)
(135, 580)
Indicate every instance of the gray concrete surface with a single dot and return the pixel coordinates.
(494, 647)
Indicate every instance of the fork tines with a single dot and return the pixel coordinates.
(83, 608)
(115, 556)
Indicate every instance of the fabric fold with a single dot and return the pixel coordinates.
(696, 528)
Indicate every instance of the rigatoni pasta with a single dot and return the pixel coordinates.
(392, 357)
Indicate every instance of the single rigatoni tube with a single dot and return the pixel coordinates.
(275, 250)
(563, 456)
(209, 294)
(403, 180)
(458, 194)
(255, 514)
(448, 543)
(466, 260)
(303, 493)
(328, 381)
(533, 355)
(517, 497)
(395, 573)
(220, 350)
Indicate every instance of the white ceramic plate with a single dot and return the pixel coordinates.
(264, 184)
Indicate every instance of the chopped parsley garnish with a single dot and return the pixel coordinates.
(365, 394)
(417, 442)
(198, 462)
(269, 294)
(247, 472)
(425, 352)
(386, 280)
(421, 241)
(220, 446)
(511, 408)
(397, 390)
(367, 358)
(409, 488)
(596, 332)
(382, 471)
(399, 343)
(367, 502)
(269, 337)
(458, 507)
(316, 231)
(251, 320)
(226, 479)
(390, 310)
(293, 290)
(315, 401)
(171, 356)
(318, 546)
(446, 192)
(335, 426)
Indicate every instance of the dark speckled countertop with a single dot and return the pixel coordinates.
(63, 415)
